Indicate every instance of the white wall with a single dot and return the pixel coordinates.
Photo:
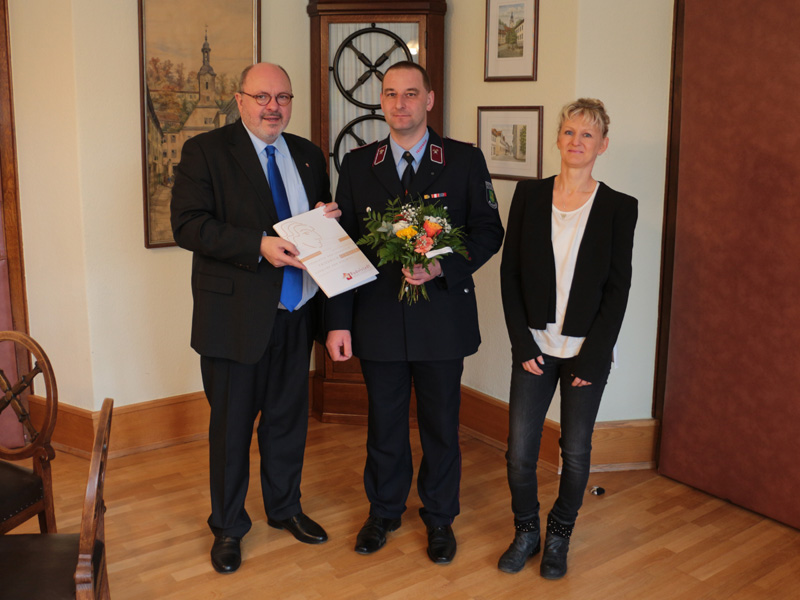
(114, 317)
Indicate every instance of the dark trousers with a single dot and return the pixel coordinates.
(529, 400)
(389, 470)
(277, 387)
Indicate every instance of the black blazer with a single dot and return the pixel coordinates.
(600, 285)
(221, 205)
(446, 327)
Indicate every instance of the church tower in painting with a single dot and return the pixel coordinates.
(206, 78)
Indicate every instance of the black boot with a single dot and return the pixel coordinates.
(527, 542)
(556, 546)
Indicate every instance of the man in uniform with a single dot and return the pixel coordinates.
(425, 342)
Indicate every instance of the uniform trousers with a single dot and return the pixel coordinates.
(389, 469)
(277, 387)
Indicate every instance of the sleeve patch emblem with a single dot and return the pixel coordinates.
(490, 197)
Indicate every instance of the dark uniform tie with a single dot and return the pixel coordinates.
(292, 288)
(408, 174)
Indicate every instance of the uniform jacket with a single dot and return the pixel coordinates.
(221, 205)
(446, 327)
(600, 285)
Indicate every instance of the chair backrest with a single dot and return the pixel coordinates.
(38, 439)
(24, 496)
(90, 577)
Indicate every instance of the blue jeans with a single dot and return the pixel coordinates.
(528, 403)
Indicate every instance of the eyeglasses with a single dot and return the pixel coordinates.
(282, 99)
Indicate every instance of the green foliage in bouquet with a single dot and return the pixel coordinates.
(413, 234)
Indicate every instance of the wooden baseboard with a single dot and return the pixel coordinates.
(616, 445)
(135, 428)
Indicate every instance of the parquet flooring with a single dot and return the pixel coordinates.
(646, 537)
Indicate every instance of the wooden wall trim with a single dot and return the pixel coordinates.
(617, 445)
(137, 427)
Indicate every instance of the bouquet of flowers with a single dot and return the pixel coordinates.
(413, 234)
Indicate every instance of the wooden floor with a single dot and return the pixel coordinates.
(647, 538)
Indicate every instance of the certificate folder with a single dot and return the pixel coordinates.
(328, 253)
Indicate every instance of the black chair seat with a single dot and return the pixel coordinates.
(19, 489)
(40, 566)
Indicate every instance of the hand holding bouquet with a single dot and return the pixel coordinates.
(413, 234)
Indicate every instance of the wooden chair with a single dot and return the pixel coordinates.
(25, 493)
(64, 565)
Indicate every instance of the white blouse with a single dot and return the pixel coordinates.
(567, 233)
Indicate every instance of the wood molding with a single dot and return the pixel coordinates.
(137, 427)
(616, 445)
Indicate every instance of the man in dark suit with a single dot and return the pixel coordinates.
(425, 342)
(255, 307)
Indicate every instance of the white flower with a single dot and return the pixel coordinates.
(399, 225)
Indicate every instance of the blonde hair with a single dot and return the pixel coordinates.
(590, 109)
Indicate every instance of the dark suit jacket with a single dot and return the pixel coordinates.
(221, 205)
(600, 285)
(446, 327)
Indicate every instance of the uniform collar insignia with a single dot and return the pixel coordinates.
(380, 155)
(437, 154)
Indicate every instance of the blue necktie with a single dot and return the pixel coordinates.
(292, 289)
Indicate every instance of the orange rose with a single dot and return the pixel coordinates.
(432, 229)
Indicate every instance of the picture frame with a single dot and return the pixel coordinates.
(187, 47)
(512, 40)
(510, 138)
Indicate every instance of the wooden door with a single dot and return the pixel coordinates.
(730, 357)
(13, 312)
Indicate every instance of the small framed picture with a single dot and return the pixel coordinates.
(192, 53)
(510, 138)
(512, 38)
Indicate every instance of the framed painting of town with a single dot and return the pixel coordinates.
(510, 138)
(192, 53)
(512, 38)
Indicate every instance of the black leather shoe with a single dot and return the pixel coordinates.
(226, 553)
(302, 527)
(372, 535)
(441, 544)
(554, 559)
(525, 545)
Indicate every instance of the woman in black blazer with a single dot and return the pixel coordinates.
(565, 277)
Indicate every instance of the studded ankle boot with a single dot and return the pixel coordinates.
(527, 542)
(556, 546)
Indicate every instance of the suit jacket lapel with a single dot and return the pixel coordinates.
(429, 169)
(245, 154)
(385, 170)
(303, 168)
(593, 232)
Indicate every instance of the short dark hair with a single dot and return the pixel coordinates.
(407, 64)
